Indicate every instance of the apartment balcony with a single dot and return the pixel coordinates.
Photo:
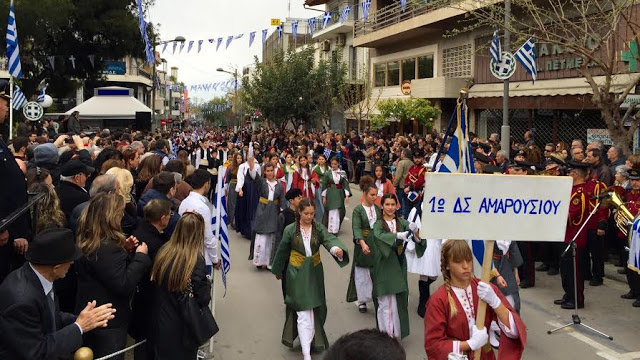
(437, 87)
(335, 25)
(390, 24)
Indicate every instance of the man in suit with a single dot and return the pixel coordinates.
(32, 325)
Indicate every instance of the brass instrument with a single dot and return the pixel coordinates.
(623, 216)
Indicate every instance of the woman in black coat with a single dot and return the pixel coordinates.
(178, 269)
(110, 270)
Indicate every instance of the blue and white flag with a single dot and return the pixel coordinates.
(181, 46)
(294, 30)
(13, 48)
(219, 42)
(151, 57)
(190, 46)
(42, 94)
(252, 36)
(264, 36)
(327, 153)
(495, 51)
(366, 6)
(200, 45)
(459, 159)
(634, 249)
(527, 57)
(326, 19)
(345, 14)
(279, 30)
(19, 100)
(403, 4)
(312, 25)
(165, 47)
(219, 223)
(175, 45)
(229, 40)
(239, 36)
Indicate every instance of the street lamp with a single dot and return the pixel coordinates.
(235, 77)
(154, 79)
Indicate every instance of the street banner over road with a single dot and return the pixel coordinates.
(495, 207)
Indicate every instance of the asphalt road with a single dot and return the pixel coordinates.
(251, 315)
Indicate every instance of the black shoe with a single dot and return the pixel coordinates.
(636, 303)
(362, 308)
(629, 295)
(571, 305)
(559, 301)
(543, 267)
(595, 282)
(525, 285)
(622, 271)
(553, 271)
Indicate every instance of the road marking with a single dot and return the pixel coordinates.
(603, 350)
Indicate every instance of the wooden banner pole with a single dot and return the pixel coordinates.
(486, 277)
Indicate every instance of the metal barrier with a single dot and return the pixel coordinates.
(85, 353)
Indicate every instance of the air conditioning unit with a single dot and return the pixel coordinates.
(341, 39)
(326, 45)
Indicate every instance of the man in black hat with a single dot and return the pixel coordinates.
(4, 109)
(31, 323)
(71, 191)
(414, 182)
(578, 212)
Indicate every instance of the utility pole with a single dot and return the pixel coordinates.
(506, 129)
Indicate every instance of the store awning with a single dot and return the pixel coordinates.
(111, 102)
(571, 86)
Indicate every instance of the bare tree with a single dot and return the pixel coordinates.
(594, 30)
(358, 99)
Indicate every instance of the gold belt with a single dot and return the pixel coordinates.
(264, 200)
(365, 232)
(234, 181)
(297, 258)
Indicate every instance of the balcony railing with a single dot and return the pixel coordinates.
(393, 14)
(336, 16)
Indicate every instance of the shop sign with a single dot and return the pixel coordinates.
(599, 134)
(631, 99)
(406, 87)
(114, 68)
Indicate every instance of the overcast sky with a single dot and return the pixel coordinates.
(205, 19)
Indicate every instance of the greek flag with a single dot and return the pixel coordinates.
(264, 36)
(327, 153)
(279, 29)
(19, 100)
(345, 14)
(458, 159)
(312, 25)
(42, 94)
(403, 4)
(252, 36)
(527, 57)
(634, 248)
(366, 5)
(326, 19)
(496, 50)
(294, 30)
(13, 48)
(145, 37)
(174, 150)
(219, 223)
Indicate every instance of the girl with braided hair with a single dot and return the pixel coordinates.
(450, 321)
(391, 235)
(363, 220)
(306, 309)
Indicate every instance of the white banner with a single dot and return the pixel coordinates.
(495, 207)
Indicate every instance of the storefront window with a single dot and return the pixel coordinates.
(393, 73)
(425, 67)
(381, 72)
(408, 69)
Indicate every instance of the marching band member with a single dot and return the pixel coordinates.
(633, 268)
(363, 220)
(335, 195)
(450, 321)
(391, 235)
(306, 304)
(414, 182)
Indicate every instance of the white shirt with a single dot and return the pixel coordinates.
(272, 189)
(198, 203)
(243, 169)
(306, 240)
(371, 214)
(380, 187)
(336, 180)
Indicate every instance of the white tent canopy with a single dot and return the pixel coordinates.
(110, 103)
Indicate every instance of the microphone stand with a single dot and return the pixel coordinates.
(575, 318)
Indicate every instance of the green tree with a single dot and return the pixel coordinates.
(107, 29)
(329, 86)
(215, 110)
(405, 110)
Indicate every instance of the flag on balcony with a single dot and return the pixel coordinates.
(345, 14)
(252, 36)
(279, 29)
(527, 57)
(294, 30)
(495, 52)
(42, 94)
(326, 19)
(403, 4)
(18, 98)
(219, 43)
(366, 5)
(13, 48)
(312, 25)
(264, 36)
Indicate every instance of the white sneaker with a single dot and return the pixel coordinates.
(268, 267)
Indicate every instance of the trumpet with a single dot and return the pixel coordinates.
(623, 217)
